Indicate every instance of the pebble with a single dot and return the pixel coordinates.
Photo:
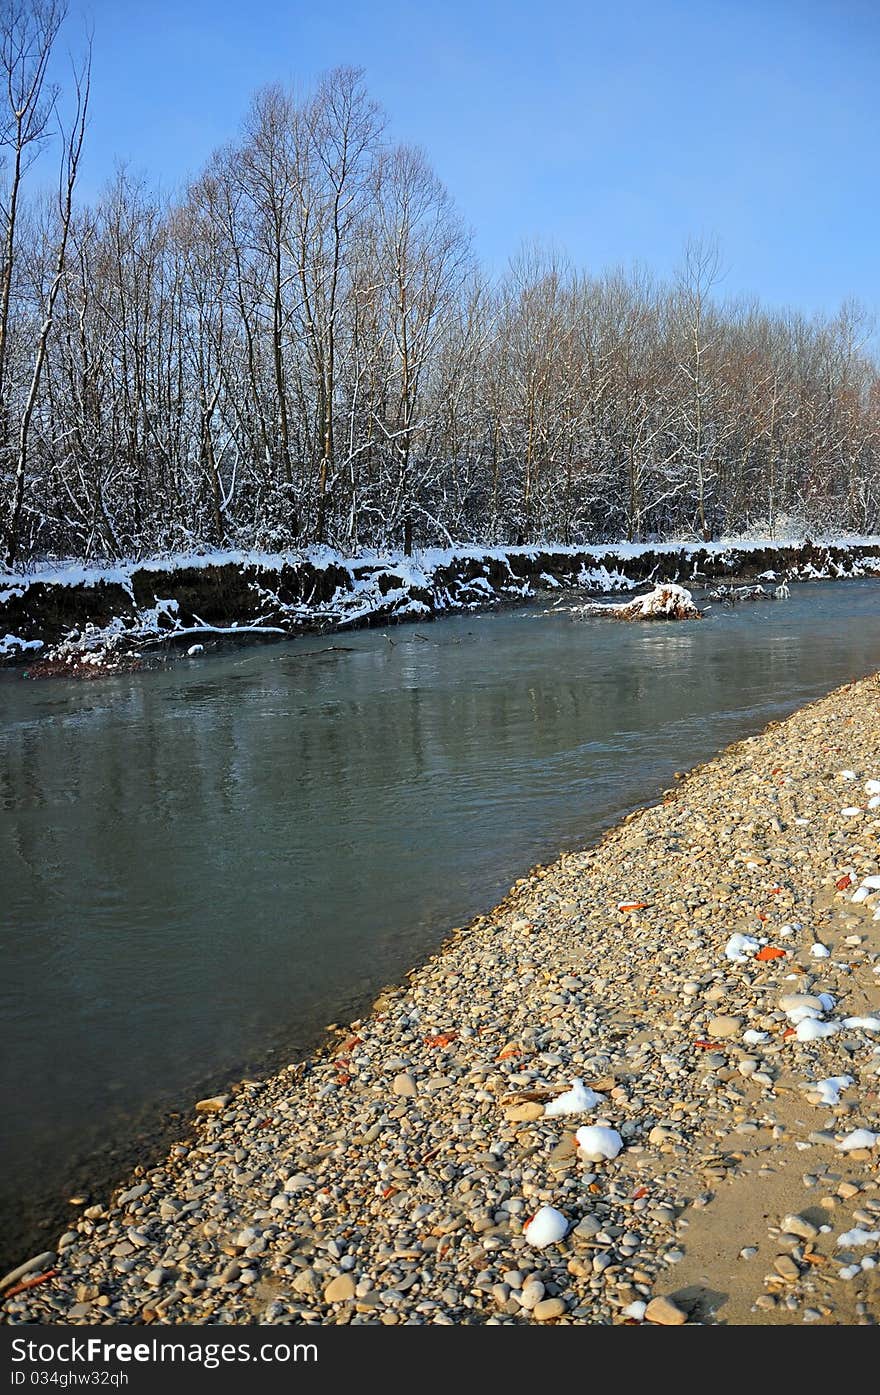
(548, 1309)
(801, 1226)
(665, 1312)
(404, 1084)
(213, 1105)
(340, 1289)
(786, 1268)
(724, 1026)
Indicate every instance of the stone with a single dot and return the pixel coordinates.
(665, 1312)
(799, 1225)
(524, 1113)
(299, 1182)
(532, 1294)
(215, 1105)
(404, 1084)
(548, 1309)
(721, 1027)
(587, 1228)
(340, 1290)
(306, 1282)
(786, 1268)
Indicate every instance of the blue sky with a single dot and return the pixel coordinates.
(613, 130)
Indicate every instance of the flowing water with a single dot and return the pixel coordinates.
(201, 866)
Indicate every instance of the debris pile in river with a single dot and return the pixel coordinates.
(665, 602)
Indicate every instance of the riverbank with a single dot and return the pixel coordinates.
(390, 1179)
(90, 621)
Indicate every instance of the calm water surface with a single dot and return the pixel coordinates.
(202, 866)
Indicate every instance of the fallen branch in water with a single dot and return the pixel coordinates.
(186, 632)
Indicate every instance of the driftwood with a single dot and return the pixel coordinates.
(666, 602)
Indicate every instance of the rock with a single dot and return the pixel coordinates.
(214, 1105)
(799, 1225)
(133, 1194)
(404, 1084)
(786, 1268)
(306, 1282)
(659, 1135)
(524, 1113)
(531, 1295)
(340, 1289)
(548, 1309)
(665, 1312)
(721, 1027)
(587, 1228)
(299, 1182)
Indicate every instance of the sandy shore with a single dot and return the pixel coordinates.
(392, 1179)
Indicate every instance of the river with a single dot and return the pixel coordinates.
(202, 866)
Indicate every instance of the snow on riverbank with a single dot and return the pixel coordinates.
(417, 568)
(69, 610)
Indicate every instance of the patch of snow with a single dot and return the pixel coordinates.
(830, 1088)
(740, 948)
(578, 1100)
(547, 1227)
(599, 1141)
(12, 644)
(859, 1138)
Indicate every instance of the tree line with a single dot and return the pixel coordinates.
(301, 347)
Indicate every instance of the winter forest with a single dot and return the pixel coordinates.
(301, 347)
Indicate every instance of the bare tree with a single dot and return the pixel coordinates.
(72, 140)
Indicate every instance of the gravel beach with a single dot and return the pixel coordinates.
(705, 969)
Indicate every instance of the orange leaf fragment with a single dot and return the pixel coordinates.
(633, 905)
(709, 1045)
(639, 1193)
(508, 1053)
(843, 882)
(789, 1032)
(594, 1188)
(768, 952)
(442, 1039)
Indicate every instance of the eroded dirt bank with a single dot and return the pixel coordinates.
(64, 616)
(392, 1178)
